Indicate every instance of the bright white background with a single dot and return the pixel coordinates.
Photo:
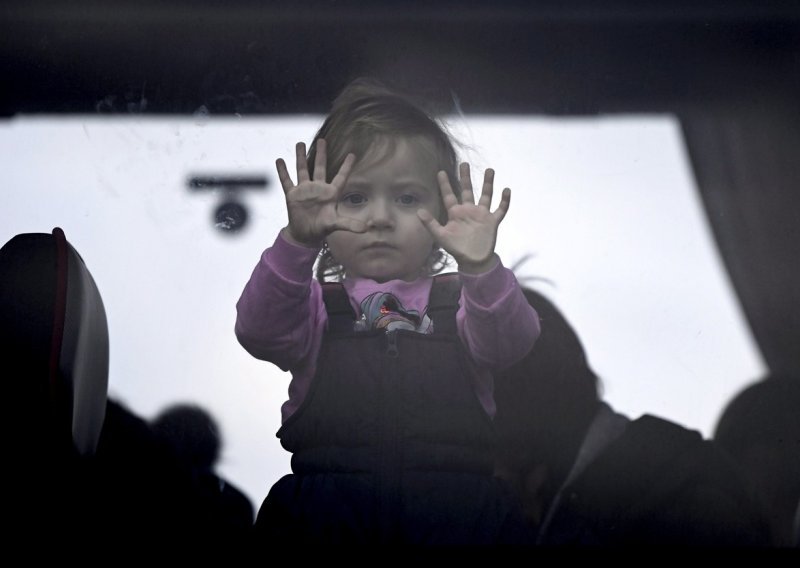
(606, 208)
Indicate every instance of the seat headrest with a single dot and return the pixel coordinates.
(54, 335)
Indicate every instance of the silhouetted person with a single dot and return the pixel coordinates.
(760, 428)
(146, 493)
(195, 437)
(589, 476)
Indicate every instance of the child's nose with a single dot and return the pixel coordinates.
(380, 215)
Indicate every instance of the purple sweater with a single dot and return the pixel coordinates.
(281, 317)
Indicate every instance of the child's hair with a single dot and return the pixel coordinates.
(367, 113)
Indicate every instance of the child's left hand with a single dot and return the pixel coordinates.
(471, 230)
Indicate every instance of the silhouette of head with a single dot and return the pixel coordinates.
(760, 428)
(192, 432)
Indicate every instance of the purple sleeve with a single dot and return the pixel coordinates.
(495, 321)
(280, 316)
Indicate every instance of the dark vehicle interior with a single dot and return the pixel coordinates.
(728, 71)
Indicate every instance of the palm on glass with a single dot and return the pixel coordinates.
(470, 233)
(312, 203)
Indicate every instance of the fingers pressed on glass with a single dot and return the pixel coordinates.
(502, 208)
(321, 161)
(347, 224)
(488, 188)
(283, 175)
(344, 171)
(467, 195)
(429, 222)
(302, 165)
(448, 197)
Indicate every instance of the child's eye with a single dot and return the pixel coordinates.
(408, 199)
(353, 199)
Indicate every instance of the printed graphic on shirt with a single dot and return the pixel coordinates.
(382, 310)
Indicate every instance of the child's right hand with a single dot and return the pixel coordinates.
(312, 204)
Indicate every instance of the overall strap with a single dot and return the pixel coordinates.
(444, 301)
(341, 316)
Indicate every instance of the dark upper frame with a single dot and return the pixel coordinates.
(567, 57)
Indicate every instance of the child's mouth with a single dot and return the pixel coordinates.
(379, 245)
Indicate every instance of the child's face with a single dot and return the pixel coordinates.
(385, 191)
